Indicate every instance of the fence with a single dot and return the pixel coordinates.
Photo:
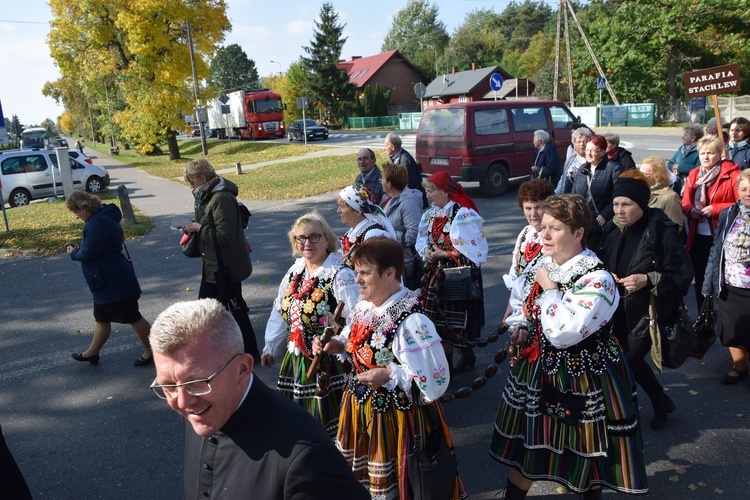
(373, 121)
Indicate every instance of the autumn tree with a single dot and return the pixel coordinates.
(139, 50)
(232, 69)
(417, 33)
(327, 83)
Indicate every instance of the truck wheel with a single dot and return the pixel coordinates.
(252, 134)
(19, 198)
(496, 181)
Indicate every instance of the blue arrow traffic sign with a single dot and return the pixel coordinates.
(496, 81)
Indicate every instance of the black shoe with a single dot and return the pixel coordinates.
(94, 360)
(663, 405)
(468, 359)
(736, 376)
(141, 361)
(512, 492)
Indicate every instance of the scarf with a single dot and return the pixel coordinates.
(733, 147)
(453, 188)
(359, 197)
(202, 191)
(737, 245)
(706, 178)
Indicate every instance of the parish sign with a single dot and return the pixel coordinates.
(712, 81)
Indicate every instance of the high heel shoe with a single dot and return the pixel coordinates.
(468, 359)
(94, 360)
(141, 361)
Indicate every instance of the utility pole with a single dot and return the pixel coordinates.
(195, 90)
(557, 51)
(570, 59)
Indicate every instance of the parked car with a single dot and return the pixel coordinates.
(61, 143)
(195, 130)
(296, 130)
(28, 175)
(80, 156)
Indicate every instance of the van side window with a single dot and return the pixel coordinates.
(491, 121)
(561, 117)
(11, 166)
(528, 119)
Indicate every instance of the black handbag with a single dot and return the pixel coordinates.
(459, 283)
(431, 471)
(678, 339)
(705, 328)
(189, 245)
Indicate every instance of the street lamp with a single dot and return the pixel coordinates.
(198, 106)
(276, 62)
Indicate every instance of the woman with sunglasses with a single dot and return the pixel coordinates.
(652, 269)
(311, 289)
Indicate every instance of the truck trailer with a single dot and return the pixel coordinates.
(247, 114)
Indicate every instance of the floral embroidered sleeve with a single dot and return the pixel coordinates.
(276, 327)
(467, 235)
(568, 318)
(512, 274)
(423, 233)
(417, 347)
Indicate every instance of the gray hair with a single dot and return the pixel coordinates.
(182, 322)
(694, 129)
(394, 139)
(582, 131)
(199, 167)
(613, 139)
(314, 218)
(541, 136)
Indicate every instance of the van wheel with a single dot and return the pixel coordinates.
(19, 198)
(496, 181)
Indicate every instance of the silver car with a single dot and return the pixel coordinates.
(28, 175)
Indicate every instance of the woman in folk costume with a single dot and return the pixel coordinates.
(450, 235)
(364, 218)
(390, 406)
(568, 412)
(310, 290)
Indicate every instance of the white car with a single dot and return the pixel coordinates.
(28, 175)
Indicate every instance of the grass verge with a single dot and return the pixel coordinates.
(45, 228)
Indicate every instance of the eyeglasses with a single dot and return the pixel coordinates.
(301, 239)
(194, 388)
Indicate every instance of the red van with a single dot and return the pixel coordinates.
(489, 141)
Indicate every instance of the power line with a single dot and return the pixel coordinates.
(23, 22)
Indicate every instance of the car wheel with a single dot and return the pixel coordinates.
(290, 137)
(325, 137)
(94, 184)
(19, 198)
(496, 181)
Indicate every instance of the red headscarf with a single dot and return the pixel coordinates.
(453, 188)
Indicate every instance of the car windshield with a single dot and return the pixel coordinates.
(311, 123)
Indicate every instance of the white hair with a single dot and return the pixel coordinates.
(541, 136)
(183, 321)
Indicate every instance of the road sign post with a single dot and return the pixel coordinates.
(496, 82)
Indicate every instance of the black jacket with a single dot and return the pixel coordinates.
(624, 158)
(714, 283)
(660, 255)
(269, 449)
(602, 186)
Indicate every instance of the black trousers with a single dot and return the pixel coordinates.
(644, 375)
(238, 307)
(699, 256)
(13, 484)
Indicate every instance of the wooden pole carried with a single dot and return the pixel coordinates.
(331, 328)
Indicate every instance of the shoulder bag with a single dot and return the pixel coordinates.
(705, 328)
(678, 339)
(189, 245)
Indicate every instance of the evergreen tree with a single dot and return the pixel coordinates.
(380, 107)
(328, 84)
(368, 108)
(231, 69)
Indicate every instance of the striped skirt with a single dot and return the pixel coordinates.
(293, 383)
(602, 447)
(376, 444)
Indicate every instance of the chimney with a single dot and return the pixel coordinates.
(454, 69)
(473, 66)
(355, 57)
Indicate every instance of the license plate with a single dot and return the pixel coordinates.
(270, 126)
(439, 161)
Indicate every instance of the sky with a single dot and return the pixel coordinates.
(276, 32)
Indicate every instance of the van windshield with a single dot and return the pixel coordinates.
(446, 122)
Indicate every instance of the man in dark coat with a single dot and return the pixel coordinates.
(244, 439)
(369, 174)
(400, 156)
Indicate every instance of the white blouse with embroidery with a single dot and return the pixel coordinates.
(344, 289)
(526, 236)
(465, 232)
(571, 316)
(416, 346)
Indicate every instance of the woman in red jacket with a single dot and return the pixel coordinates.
(709, 189)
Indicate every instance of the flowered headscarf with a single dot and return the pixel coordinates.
(359, 197)
(455, 191)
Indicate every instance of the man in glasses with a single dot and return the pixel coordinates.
(369, 173)
(244, 439)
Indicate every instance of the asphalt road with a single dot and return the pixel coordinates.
(84, 432)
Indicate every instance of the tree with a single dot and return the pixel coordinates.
(479, 39)
(417, 33)
(380, 106)
(15, 127)
(139, 50)
(367, 104)
(231, 69)
(290, 86)
(519, 22)
(327, 83)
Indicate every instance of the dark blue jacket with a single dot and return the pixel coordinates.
(548, 162)
(602, 187)
(108, 273)
(740, 156)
